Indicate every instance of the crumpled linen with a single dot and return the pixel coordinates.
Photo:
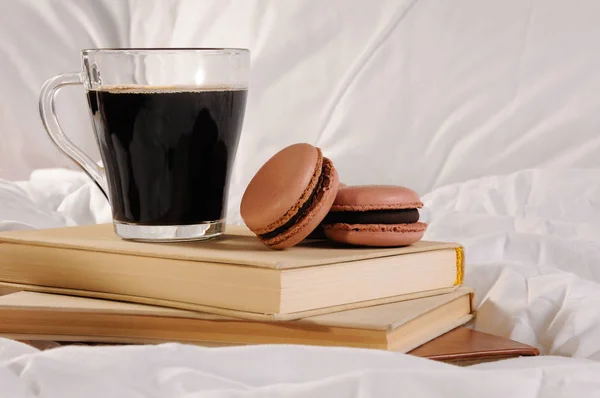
(532, 254)
(532, 246)
(174, 370)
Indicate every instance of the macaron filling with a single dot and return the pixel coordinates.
(399, 216)
(314, 198)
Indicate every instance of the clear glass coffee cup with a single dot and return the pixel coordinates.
(167, 122)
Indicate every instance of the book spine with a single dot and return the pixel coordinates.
(460, 266)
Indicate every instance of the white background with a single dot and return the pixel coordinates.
(418, 93)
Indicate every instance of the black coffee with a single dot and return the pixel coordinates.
(168, 155)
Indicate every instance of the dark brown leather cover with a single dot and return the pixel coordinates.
(467, 346)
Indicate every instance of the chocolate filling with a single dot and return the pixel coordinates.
(401, 216)
(315, 196)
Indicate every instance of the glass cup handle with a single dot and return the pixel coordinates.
(50, 121)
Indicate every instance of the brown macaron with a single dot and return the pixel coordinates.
(289, 196)
(375, 215)
(318, 232)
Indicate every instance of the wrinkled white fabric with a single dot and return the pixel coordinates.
(71, 194)
(532, 253)
(418, 93)
(19, 211)
(532, 244)
(173, 370)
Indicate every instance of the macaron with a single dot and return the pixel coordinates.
(375, 215)
(289, 196)
(318, 232)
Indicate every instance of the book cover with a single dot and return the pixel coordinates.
(399, 326)
(233, 275)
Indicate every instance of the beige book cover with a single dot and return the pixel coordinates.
(237, 246)
(399, 326)
(233, 275)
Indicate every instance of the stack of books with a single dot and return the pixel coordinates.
(85, 284)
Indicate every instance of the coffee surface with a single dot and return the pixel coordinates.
(168, 154)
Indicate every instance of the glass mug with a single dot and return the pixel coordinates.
(167, 123)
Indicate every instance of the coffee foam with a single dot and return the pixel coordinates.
(131, 89)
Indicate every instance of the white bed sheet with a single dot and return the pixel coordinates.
(426, 93)
(533, 255)
(174, 371)
(532, 243)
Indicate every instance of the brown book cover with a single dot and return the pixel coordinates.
(233, 275)
(465, 346)
(399, 326)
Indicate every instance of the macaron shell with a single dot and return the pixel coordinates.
(311, 221)
(376, 235)
(375, 197)
(280, 187)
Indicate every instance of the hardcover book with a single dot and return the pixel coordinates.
(233, 275)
